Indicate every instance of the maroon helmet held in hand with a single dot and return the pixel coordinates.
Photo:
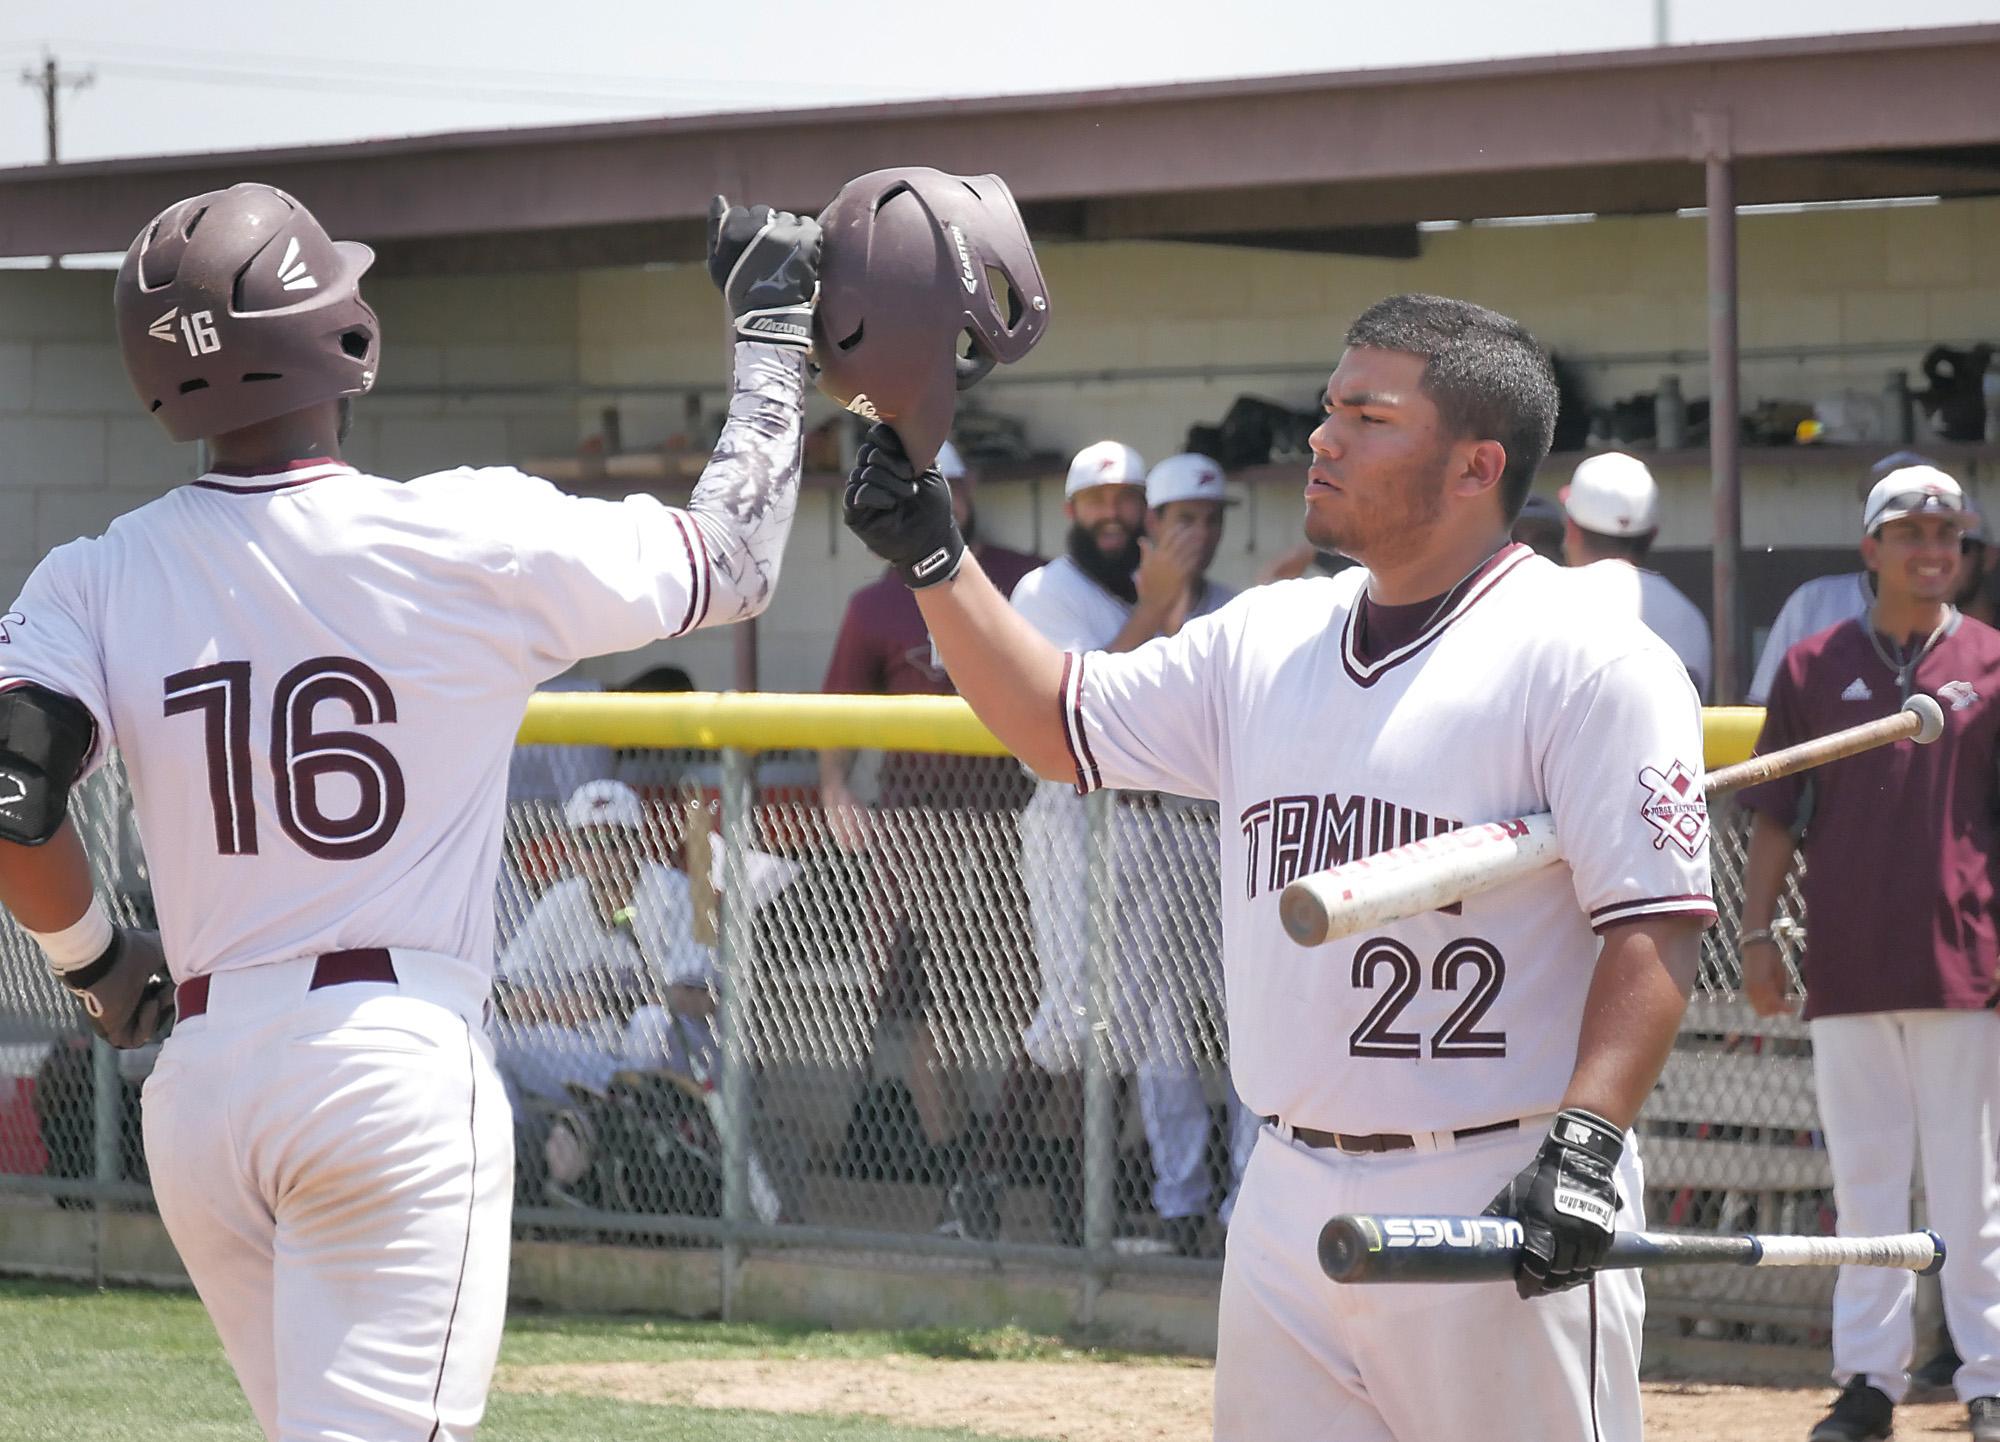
(234, 307)
(926, 281)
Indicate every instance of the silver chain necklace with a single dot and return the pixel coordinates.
(1904, 668)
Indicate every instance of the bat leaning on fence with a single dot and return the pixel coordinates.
(1374, 1248)
(1424, 875)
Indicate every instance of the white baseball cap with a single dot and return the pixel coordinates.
(1911, 491)
(1186, 477)
(1107, 463)
(1612, 494)
(950, 464)
(605, 803)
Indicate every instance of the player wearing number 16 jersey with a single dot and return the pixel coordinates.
(314, 677)
(1490, 1055)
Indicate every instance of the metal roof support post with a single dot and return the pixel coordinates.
(1724, 438)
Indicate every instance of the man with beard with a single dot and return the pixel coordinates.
(943, 970)
(1113, 588)
(1496, 1049)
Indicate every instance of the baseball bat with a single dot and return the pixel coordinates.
(1375, 1248)
(1421, 876)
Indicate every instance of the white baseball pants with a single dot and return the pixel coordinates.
(1305, 1359)
(1893, 1085)
(336, 1170)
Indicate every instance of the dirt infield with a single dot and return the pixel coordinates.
(1153, 1401)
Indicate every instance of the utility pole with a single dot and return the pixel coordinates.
(51, 80)
(1660, 21)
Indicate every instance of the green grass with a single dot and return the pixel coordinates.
(146, 1367)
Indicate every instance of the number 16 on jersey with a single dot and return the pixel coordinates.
(301, 755)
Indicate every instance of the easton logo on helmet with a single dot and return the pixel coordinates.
(293, 272)
(163, 328)
(863, 407)
(966, 275)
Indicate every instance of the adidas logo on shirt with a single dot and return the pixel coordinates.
(1857, 690)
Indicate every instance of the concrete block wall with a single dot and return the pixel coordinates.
(75, 450)
(487, 369)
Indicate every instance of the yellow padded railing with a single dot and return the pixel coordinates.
(778, 721)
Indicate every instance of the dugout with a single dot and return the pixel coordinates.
(1789, 219)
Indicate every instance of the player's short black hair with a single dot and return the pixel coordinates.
(1488, 377)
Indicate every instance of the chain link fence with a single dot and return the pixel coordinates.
(979, 1017)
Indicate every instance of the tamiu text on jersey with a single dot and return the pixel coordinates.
(1288, 837)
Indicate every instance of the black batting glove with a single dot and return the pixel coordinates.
(902, 516)
(766, 264)
(127, 991)
(1566, 1201)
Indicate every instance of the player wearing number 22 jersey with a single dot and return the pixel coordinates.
(1488, 1055)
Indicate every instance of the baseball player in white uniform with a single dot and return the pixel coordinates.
(1125, 578)
(1611, 513)
(1489, 1055)
(1162, 974)
(314, 677)
(584, 983)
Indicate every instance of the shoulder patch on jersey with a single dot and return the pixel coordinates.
(1959, 693)
(1675, 807)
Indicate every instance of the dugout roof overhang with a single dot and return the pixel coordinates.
(1336, 162)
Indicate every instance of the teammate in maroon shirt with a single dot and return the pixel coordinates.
(946, 963)
(1900, 886)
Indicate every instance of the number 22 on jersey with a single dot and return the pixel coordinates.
(302, 756)
(1384, 961)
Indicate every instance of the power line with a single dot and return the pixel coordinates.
(588, 85)
(381, 85)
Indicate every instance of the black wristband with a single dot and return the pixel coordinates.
(83, 978)
(940, 565)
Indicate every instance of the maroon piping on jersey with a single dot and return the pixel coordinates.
(1070, 704)
(309, 463)
(707, 577)
(698, 576)
(1692, 903)
(1454, 603)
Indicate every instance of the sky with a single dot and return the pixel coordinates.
(169, 76)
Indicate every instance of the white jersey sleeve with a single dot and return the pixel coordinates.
(1621, 765)
(538, 955)
(590, 577)
(47, 639)
(1150, 719)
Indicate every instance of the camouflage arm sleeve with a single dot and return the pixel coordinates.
(745, 500)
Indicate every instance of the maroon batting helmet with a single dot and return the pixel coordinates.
(926, 281)
(234, 307)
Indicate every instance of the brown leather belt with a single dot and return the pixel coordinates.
(1384, 1141)
(334, 968)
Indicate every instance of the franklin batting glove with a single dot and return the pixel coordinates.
(1566, 1201)
(766, 264)
(903, 517)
